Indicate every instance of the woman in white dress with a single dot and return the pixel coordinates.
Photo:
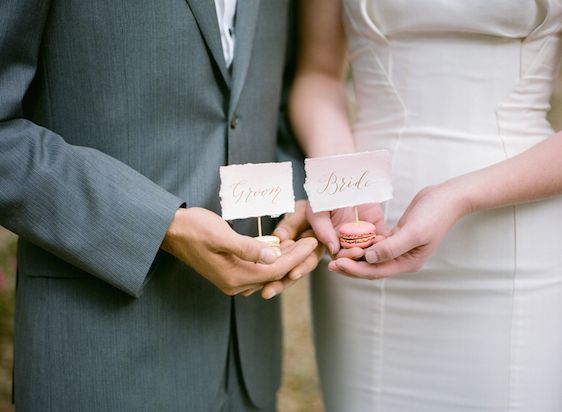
(458, 91)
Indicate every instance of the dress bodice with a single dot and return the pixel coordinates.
(449, 87)
(483, 69)
(505, 18)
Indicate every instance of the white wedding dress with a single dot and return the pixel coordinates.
(449, 87)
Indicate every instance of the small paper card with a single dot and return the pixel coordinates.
(253, 190)
(333, 182)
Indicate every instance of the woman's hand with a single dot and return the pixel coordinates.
(326, 224)
(428, 218)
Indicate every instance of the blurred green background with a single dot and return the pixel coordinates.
(299, 391)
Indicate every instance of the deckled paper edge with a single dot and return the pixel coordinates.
(387, 193)
(291, 192)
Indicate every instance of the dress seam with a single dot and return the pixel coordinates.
(511, 378)
(381, 344)
(388, 74)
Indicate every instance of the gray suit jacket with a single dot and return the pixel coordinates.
(113, 113)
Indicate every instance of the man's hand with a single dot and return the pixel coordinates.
(290, 229)
(232, 262)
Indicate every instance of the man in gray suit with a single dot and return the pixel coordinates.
(114, 119)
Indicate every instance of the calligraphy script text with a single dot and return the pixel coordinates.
(244, 193)
(339, 184)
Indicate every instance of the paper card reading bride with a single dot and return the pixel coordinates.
(253, 190)
(333, 182)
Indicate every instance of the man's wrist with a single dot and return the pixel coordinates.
(173, 232)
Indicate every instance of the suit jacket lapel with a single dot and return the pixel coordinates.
(246, 20)
(205, 13)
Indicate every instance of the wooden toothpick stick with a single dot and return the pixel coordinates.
(259, 226)
(356, 214)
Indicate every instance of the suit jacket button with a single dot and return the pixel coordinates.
(234, 122)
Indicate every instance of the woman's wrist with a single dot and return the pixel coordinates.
(457, 191)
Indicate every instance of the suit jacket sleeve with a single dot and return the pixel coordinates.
(79, 204)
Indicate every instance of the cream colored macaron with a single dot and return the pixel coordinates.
(272, 241)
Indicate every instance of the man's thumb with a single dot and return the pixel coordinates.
(252, 250)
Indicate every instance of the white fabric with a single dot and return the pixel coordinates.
(449, 87)
(226, 9)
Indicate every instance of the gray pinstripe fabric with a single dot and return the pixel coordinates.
(112, 114)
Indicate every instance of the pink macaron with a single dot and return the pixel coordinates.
(357, 234)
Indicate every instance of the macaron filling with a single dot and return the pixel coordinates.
(357, 234)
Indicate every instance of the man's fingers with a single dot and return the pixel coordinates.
(308, 233)
(292, 224)
(273, 289)
(248, 273)
(308, 265)
(251, 250)
(251, 291)
(287, 245)
(323, 227)
(291, 259)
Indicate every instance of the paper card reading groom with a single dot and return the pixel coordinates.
(334, 182)
(254, 190)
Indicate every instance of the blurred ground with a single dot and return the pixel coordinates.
(299, 390)
(7, 269)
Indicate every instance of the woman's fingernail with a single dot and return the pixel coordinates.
(296, 276)
(332, 248)
(371, 256)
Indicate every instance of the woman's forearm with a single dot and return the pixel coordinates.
(319, 114)
(318, 101)
(531, 175)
